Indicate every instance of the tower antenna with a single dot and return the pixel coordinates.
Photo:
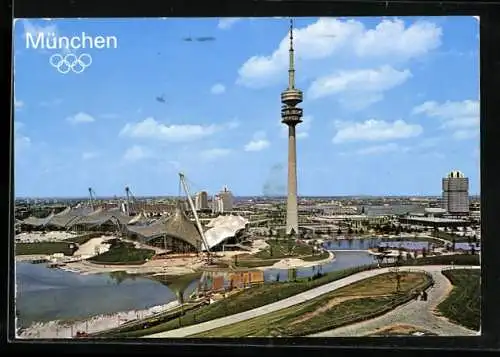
(291, 68)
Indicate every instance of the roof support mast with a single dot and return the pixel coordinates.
(127, 192)
(91, 201)
(197, 220)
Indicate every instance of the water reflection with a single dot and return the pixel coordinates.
(182, 285)
(343, 260)
(45, 294)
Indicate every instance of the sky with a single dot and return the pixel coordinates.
(391, 105)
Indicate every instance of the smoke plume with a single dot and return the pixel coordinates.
(275, 184)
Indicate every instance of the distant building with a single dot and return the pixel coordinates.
(201, 201)
(223, 201)
(456, 193)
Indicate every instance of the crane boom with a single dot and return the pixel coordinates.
(186, 190)
(92, 195)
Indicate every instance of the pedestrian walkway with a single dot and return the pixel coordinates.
(293, 300)
(416, 313)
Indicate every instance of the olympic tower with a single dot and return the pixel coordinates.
(291, 116)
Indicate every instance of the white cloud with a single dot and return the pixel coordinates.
(218, 89)
(34, 30)
(227, 23)
(258, 142)
(375, 130)
(149, 128)
(21, 141)
(89, 155)
(389, 41)
(393, 39)
(365, 84)
(80, 118)
(302, 130)
(381, 149)
(462, 118)
(213, 154)
(464, 134)
(18, 104)
(136, 153)
(428, 143)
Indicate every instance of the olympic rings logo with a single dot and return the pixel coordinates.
(70, 62)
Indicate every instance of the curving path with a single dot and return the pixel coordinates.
(416, 313)
(442, 290)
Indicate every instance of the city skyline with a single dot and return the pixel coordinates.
(378, 119)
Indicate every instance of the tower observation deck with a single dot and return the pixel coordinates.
(291, 97)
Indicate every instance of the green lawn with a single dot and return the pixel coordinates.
(358, 301)
(84, 238)
(245, 300)
(123, 253)
(463, 305)
(313, 258)
(42, 248)
(457, 259)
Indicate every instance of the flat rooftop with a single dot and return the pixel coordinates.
(434, 219)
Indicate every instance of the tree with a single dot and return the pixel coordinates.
(361, 231)
(339, 231)
(399, 258)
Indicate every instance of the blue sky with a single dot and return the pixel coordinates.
(390, 104)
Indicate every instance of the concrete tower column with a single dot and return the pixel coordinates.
(292, 217)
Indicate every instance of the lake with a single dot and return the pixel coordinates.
(45, 294)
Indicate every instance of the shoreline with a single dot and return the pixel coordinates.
(92, 324)
(289, 263)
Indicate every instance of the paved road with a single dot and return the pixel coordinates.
(282, 304)
(417, 313)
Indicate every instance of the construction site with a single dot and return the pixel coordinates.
(174, 230)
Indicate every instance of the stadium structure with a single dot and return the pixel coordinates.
(173, 231)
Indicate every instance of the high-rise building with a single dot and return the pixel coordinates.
(456, 193)
(201, 201)
(291, 116)
(223, 201)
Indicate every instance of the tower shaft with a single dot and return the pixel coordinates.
(292, 216)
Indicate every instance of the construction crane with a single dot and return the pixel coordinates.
(130, 196)
(197, 220)
(92, 198)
